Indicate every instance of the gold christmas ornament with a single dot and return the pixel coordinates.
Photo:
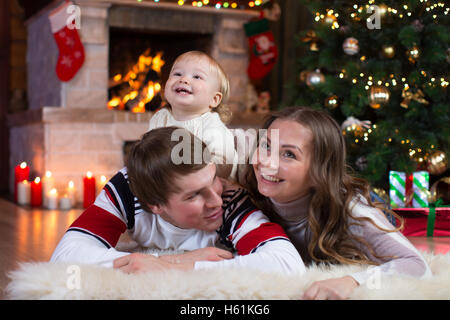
(413, 54)
(302, 75)
(378, 95)
(408, 96)
(440, 190)
(311, 37)
(351, 46)
(332, 102)
(382, 194)
(388, 51)
(330, 19)
(437, 163)
(314, 78)
(355, 126)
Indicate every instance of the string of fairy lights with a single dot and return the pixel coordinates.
(330, 17)
(401, 12)
(239, 5)
(359, 12)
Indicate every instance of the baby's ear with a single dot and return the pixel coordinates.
(216, 100)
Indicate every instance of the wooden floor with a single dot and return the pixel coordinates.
(28, 235)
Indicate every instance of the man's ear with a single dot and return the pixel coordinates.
(216, 100)
(156, 209)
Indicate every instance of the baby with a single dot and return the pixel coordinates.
(196, 90)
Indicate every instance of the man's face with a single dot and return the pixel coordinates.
(199, 203)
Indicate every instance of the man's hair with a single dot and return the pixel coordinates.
(224, 84)
(151, 168)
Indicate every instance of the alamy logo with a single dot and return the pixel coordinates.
(74, 19)
(374, 21)
(74, 279)
(374, 278)
(245, 141)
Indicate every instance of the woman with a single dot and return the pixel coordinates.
(299, 178)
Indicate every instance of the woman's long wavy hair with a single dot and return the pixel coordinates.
(333, 190)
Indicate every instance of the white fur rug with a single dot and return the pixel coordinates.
(63, 281)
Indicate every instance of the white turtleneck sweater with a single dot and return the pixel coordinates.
(207, 127)
(294, 220)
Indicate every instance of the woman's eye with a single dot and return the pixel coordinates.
(288, 154)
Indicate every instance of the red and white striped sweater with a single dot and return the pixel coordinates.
(257, 242)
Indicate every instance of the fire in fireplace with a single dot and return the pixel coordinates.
(139, 89)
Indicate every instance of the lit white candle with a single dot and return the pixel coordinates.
(65, 202)
(71, 192)
(52, 199)
(47, 184)
(23, 192)
(101, 184)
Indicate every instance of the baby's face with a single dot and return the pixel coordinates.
(192, 86)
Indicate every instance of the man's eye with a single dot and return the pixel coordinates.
(192, 196)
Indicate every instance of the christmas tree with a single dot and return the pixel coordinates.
(380, 68)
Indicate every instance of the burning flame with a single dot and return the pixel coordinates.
(138, 89)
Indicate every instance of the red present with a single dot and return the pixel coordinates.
(419, 222)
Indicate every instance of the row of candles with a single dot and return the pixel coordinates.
(42, 192)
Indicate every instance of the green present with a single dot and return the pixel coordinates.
(408, 190)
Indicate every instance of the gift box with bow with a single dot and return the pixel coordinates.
(433, 221)
(408, 190)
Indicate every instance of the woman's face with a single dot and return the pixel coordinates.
(282, 161)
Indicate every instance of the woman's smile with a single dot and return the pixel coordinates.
(270, 179)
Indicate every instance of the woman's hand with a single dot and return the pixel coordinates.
(140, 263)
(203, 254)
(331, 289)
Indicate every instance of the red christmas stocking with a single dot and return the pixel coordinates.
(71, 50)
(263, 51)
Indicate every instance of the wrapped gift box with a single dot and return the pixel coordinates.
(417, 222)
(409, 190)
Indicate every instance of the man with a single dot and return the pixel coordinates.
(179, 207)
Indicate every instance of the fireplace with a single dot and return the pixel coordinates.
(68, 128)
(140, 62)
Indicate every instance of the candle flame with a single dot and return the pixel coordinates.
(53, 192)
(89, 174)
(23, 165)
(48, 174)
(37, 180)
(103, 179)
(71, 184)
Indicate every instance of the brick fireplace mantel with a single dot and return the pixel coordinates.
(68, 115)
